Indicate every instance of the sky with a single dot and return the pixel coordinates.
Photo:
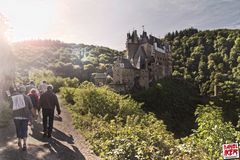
(106, 22)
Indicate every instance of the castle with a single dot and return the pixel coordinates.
(148, 60)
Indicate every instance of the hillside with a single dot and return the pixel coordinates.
(206, 58)
(210, 60)
(64, 59)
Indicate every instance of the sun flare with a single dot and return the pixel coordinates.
(29, 19)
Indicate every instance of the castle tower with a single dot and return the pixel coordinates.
(144, 37)
(132, 44)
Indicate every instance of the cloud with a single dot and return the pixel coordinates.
(106, 22)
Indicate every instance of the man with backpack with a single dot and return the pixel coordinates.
(22, 106)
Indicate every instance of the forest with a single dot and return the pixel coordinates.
(189, 115)
(62, 59)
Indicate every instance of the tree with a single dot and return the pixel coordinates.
(6, 71)
(235, 52)
(207, 139)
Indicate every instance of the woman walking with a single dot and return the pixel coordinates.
(21, 105)
(33, 94)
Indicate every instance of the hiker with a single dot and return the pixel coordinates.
(48, 103)
(30, 86)
(21, 105)
(33, 94)
(43, 87)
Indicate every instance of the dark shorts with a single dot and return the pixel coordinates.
(21, 127)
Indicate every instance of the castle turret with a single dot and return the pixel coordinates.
(129, 38)
(144, 37)
(135, 36)
(132, 44)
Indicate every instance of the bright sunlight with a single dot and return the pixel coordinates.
(29, 18)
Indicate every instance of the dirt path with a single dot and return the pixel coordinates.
(65, 144)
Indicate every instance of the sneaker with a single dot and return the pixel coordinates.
(24, 147)
(19, 144)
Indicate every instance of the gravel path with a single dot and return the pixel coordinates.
(66, 143)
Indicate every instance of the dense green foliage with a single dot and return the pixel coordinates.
(176, 108)
(117, 132)
(207, 140)
(65, 60)
(116, 126)
(38, 75)
(208, 60)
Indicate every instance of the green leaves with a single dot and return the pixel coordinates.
(190, 51)
(175, 108)
(146, 139)
(38, 75)
(116, 126)
(212, 132)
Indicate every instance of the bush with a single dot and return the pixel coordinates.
(5, 114)
(212, 132)
(142, 137)
(173, 101)
(100, 102)
(67, 94)
(38, 75)
(116, 126)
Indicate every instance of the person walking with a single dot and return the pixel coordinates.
(43, 87)
(33, 94)
(30, 86)
(21, 105)
(48, 103)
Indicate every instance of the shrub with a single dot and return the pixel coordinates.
(142, 137)
(212, 132)
(116, 126)
(38, 75)
(5, 113)
(175, 108)
(100, 102)
(67, 94)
